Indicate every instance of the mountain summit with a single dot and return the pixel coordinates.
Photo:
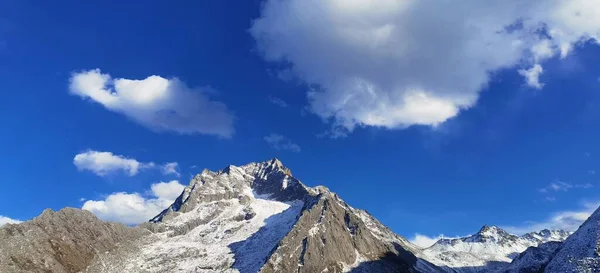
(259, 218)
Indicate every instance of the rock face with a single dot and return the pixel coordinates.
(330, 236)
(259, 218)
(490, 249)
(534, 259)
(63, 241)
(581, 251)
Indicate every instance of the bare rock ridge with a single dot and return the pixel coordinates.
(63, 241)
(260, 218)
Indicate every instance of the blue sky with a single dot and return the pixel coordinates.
(431, 134)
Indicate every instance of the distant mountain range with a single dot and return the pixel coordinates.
(260, 218)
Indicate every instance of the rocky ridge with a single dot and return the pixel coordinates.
(259, 218)
(490, 249)
(63, 241)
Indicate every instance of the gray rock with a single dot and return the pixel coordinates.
(330, 237)
(63, 241)
(533, 260)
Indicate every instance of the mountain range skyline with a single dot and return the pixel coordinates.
(161, 196)
(258, 217)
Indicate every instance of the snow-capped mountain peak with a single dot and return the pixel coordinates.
(491, 234)
(487, 250)
(258, 217)
(269, 178)
(547, 235)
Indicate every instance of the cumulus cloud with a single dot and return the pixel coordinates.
(566, 220)
(155, 102)
(394, 64)
(5, 220)
(425, 241)
(106, 163)
(167, 190)
(280, 142)
(135, 208)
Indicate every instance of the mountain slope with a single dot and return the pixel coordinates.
(534, 259)
(63, 241)
(581, 251)
(259, 218)
(488, 250)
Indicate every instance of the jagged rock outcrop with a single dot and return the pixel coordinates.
(63, 241)
(329, 236)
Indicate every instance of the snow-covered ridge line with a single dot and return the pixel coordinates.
(491, 248)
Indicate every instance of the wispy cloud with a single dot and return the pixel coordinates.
(171, 168)
(107, 163)
(565, 220)
(556, 186)
(560, 186)
(277, 101)
(532, 76)
(280, 142)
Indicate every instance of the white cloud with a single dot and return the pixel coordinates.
(105, 163)
(135, 208)
(277, 101)
(167, 190)
(425, 241)
(394, 64)
(280, 142)
(566, 220)
(5, 220)
(155, 102)
(171, 168)
(532, 76)
(560, 186)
